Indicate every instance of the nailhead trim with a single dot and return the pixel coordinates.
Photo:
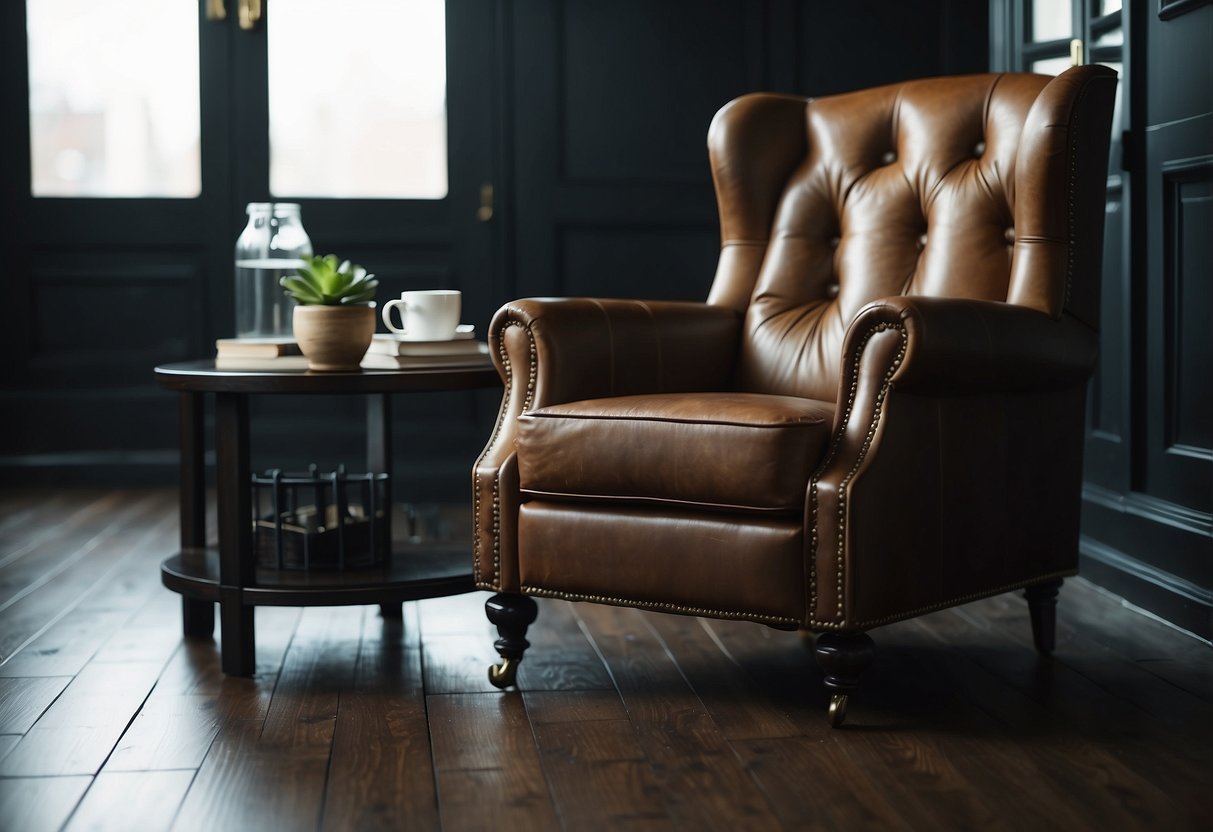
(662, 607)
(941, 605)
(877, 410)
(1072, 142)
(508, 368)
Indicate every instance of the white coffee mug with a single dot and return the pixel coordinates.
(425, 314)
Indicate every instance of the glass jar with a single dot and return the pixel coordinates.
(270, 247)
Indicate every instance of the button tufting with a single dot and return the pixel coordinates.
(979, 149)
(1009, 235)
(831, 290)
(922, 241)
(834, 241)
(888, 158)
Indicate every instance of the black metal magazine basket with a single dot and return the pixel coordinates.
(319, 520)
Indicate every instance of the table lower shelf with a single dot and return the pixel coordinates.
(410, 574)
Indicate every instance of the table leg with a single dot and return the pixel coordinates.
(237, 566)
(198, 617)
(379, 460)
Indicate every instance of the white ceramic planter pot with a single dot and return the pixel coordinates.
(334, 338)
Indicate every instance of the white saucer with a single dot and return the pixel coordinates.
(463, 332)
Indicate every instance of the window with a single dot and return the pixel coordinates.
(357, 94)
(114, 101)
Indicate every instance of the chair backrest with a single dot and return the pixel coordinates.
(978, 186)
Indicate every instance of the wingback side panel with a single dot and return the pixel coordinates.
(754, 144)
(907, 189)
(914, 539)
(1059, 213)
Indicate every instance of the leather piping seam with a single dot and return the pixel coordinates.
(645, 500)
(661, 607)
(508, 369)
(807, 422)
(754, 243)
(1072, 186)
(941, 605)
(877, 411)
(656, 330)
(1072, 151)
(610, 333)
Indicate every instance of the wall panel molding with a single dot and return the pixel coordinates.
(103, 318)
(1169, 9)
(635, 94)
(1187, 188)
(670, 261)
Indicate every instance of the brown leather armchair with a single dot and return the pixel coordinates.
(877, 413)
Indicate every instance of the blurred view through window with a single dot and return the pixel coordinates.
(357, 95)
(114, 105)
(357, 98)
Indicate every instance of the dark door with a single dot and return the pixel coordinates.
(132, 148)
(1147, 528)
(611, 103)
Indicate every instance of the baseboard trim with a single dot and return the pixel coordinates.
(1177, 601)
(1150, 508)
(90, 468)
(443, 479)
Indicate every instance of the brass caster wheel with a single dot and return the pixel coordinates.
(838, 709)
(505, 674)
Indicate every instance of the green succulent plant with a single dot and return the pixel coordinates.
(322, 282)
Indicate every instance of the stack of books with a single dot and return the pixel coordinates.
(278, 353)
(388, 352)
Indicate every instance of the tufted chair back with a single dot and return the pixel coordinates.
(949, 187)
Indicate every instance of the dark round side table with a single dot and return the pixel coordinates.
(229, 575)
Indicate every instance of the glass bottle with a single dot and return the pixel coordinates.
(270, 246)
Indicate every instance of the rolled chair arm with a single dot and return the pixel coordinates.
(910, 365)
(587, 348)
(555, 351)
(965, 346)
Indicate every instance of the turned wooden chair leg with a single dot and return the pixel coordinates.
(512, 614)
(844, 657)
(1042, 607)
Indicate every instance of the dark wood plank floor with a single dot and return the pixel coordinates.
(109, 720)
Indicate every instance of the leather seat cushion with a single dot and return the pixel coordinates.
(740, 451)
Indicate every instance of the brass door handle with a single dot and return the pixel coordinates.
(1076, 50)
(216, 10)
(250, 14)
(485, 212)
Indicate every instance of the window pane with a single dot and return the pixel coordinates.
(1050, 19)
(113, 101)
(1051, 66)
(357, 98)
(1109, 6)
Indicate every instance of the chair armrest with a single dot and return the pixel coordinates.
(942, 403)
(555, 351)
(584, 348)
(959, 346)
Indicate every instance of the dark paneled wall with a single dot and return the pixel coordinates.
(611, 104)
(1148, 495)
(597, 128)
